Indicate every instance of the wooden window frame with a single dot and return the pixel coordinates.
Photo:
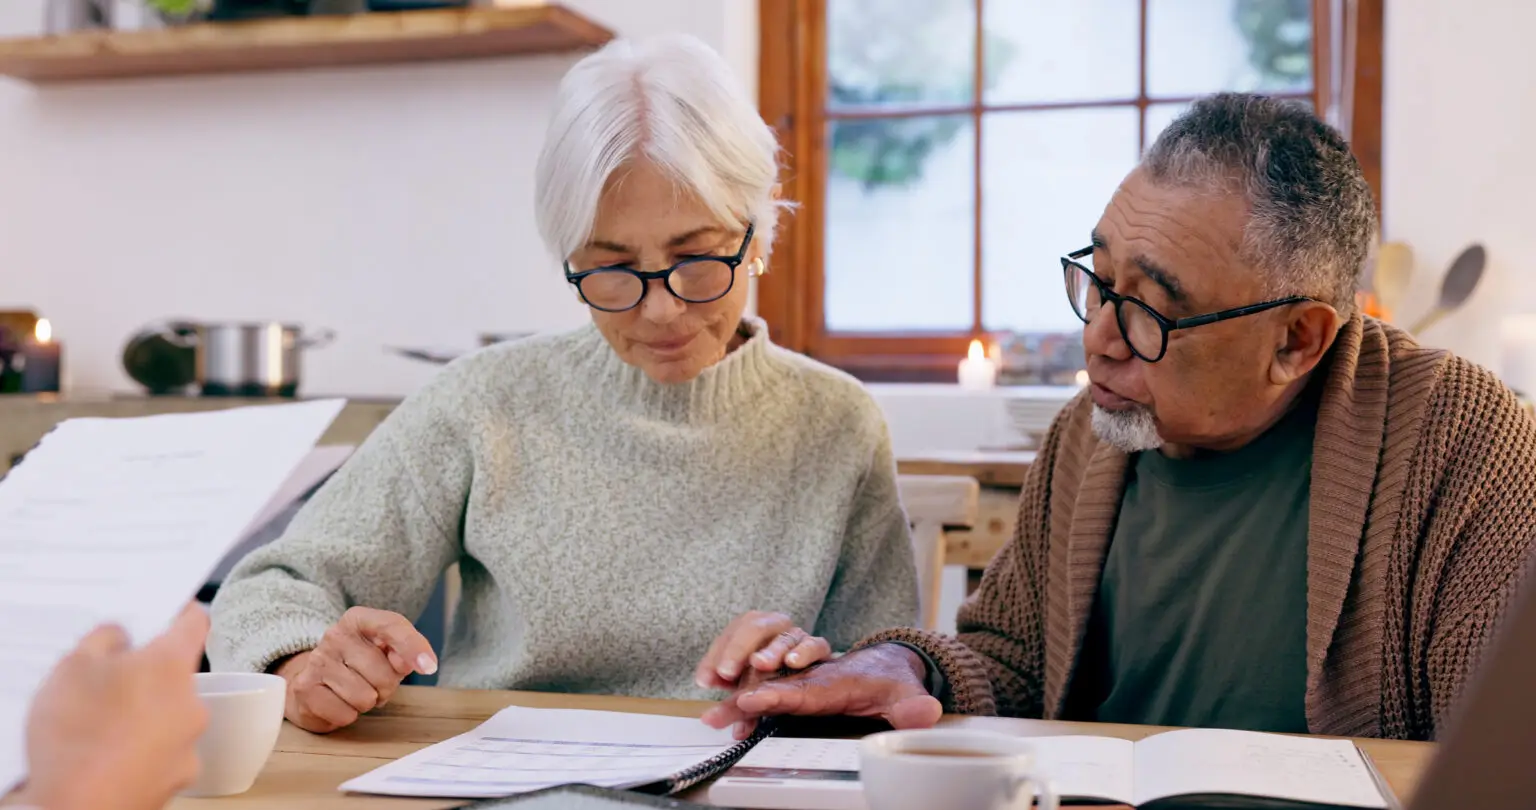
(792, 74)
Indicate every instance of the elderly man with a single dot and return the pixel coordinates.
(1267, 512)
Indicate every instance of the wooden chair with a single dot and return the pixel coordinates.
(935, 503)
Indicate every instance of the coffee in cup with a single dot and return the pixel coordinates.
(957, 769)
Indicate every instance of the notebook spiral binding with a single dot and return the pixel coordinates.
(714, 766)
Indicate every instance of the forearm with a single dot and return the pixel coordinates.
(264, 617)
(876, 587)
(876, 582)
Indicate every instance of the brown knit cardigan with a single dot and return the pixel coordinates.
(1423, 512)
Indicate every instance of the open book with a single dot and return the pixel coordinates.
(1186, 768)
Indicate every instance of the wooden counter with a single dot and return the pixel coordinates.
(26, 418)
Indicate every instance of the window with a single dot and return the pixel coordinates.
(945, 152)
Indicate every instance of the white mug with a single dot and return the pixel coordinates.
(954, 769)
(245, 713)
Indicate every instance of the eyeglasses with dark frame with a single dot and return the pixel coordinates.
(695, 279)
(1145, 329)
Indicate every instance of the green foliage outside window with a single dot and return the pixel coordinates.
(890, 52)
(1279, 34)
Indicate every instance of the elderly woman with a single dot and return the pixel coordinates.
(616, 494)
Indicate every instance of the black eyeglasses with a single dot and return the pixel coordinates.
(1145, 329)
(696, 279)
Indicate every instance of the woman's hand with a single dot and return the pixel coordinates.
(357, 667)
(755, 646)
(115, 728)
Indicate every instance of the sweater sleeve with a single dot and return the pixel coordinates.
(996, 665)
(875, 584)
(378, 534)
(1483, 549)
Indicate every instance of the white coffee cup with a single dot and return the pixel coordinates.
(245, 713)
(953, 769)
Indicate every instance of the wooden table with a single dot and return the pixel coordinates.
(305, 769)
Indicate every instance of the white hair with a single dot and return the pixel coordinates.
(672, 101)
(1129, 431)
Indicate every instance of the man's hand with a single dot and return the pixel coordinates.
(755, 646)
(114, 728)
(885, 681)
(357, 667)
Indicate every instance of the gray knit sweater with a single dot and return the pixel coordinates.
(607, 527)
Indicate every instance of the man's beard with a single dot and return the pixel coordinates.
(1129, 431)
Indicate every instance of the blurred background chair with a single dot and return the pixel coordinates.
(935, 503)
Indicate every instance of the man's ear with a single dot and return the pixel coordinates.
(1310, 329)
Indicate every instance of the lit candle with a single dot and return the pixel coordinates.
(977, 371)
(40, 361)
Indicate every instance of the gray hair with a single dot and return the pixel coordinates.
(672, 101)
(1312, 219)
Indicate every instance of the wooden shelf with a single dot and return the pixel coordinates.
(290, 43)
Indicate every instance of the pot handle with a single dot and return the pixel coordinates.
(319, 340)
(177, 333)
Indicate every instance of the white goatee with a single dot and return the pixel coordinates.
(1129, 431)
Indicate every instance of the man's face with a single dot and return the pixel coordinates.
(1177, 249)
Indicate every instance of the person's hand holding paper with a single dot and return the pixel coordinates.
(115, 728)
(357, 667)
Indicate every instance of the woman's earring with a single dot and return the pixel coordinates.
(757, 268)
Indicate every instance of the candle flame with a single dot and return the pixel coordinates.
(1082, 377)
(43, 331)
(976, 352)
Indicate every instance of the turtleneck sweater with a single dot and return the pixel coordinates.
(607, 527)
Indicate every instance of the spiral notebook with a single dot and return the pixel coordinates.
(521, 750)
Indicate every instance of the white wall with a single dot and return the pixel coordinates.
(390, 203)
(1460, 122)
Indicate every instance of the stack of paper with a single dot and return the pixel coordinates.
(121, 520)
(521, 750)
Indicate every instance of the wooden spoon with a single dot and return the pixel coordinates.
(1457, 287)
(1394, 272)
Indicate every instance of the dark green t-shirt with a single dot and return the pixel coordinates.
(1201, 613)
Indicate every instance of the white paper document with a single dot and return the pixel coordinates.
(121, 520)
(521, 750)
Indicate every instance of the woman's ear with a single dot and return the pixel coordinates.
(757, 268)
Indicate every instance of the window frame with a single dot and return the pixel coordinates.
(792, 77)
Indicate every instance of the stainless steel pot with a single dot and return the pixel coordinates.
(223, 359)
(253, 359)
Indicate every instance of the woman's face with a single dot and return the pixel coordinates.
(646, 222)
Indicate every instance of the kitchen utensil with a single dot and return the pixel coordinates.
(223, 359)
(253, 359)
(445, 356)
(1394, 271)
(1466, 271)
(162, 358)
(492, 338)
(426, 355)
